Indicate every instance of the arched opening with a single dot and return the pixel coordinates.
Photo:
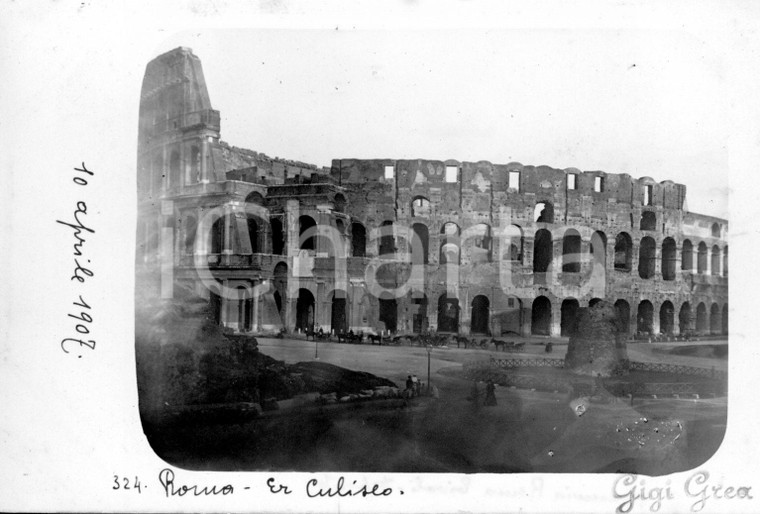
(724, 320)
(623, 251)
(668, 259)
(174, 169)
(304, 310)
(449, 251)
(217, 235)
(338, 312)
(278, 237)
(542, 251)
(647, 257)
(667, 313)
(191, 227)
(623, 309)
(594, 301)
(569, 311)
(702, 258)
(598, 249)
(339, 203)
(278, 303)
(195, 164)
(479, 320)
(715, 324)
(388, 313)
(515, 242)
(543, 213)
(645, 317)
(307, 232)
(255, 198)
(701, 318)
(420, 244)
(687, 256)
(387, 241)
(541, 316)
(244, 309)
(684, 318)
(420, 207)
(253, 232)
(571, 251)
(715, 230)
(358, 240)
(648, 221)
(419, 312)
(725, 261)
(715, 261)
(448, 314)
(281, 288)
(216, 307)
(255, 225)
(480, 245)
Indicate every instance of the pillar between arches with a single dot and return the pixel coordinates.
(555, 328)
(465, 311)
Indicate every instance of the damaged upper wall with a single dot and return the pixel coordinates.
(233, 163)
(483, 189)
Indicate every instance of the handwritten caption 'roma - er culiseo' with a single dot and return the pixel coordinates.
(313, 488)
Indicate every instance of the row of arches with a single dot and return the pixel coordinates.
(480, 246)
(705, 318)
(543, 212)
(168, 171)
(714, 321)
(448, 313)
(715, 267)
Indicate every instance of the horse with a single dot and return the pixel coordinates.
(461, 340)
(499, 344)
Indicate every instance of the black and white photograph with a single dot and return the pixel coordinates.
(341, 260)
(417, 315)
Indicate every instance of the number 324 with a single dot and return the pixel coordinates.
(124, 484)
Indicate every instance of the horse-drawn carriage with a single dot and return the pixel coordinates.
(316, 334)
(508, 346)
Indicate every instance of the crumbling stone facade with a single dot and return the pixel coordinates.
(409, 245)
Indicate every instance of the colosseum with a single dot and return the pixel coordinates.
(406, 246)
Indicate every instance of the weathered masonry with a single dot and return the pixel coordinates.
(409, 245)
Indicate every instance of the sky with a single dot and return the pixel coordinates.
(648, 102)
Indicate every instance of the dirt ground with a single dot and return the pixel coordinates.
(526, 431)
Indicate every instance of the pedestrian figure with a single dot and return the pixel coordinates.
(474, 395)
(416, 385)
(409, 383)
(548, 348)
(490, 400)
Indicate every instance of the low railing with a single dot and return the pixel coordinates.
(662, 367)
(512, 363)
(713, 381)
